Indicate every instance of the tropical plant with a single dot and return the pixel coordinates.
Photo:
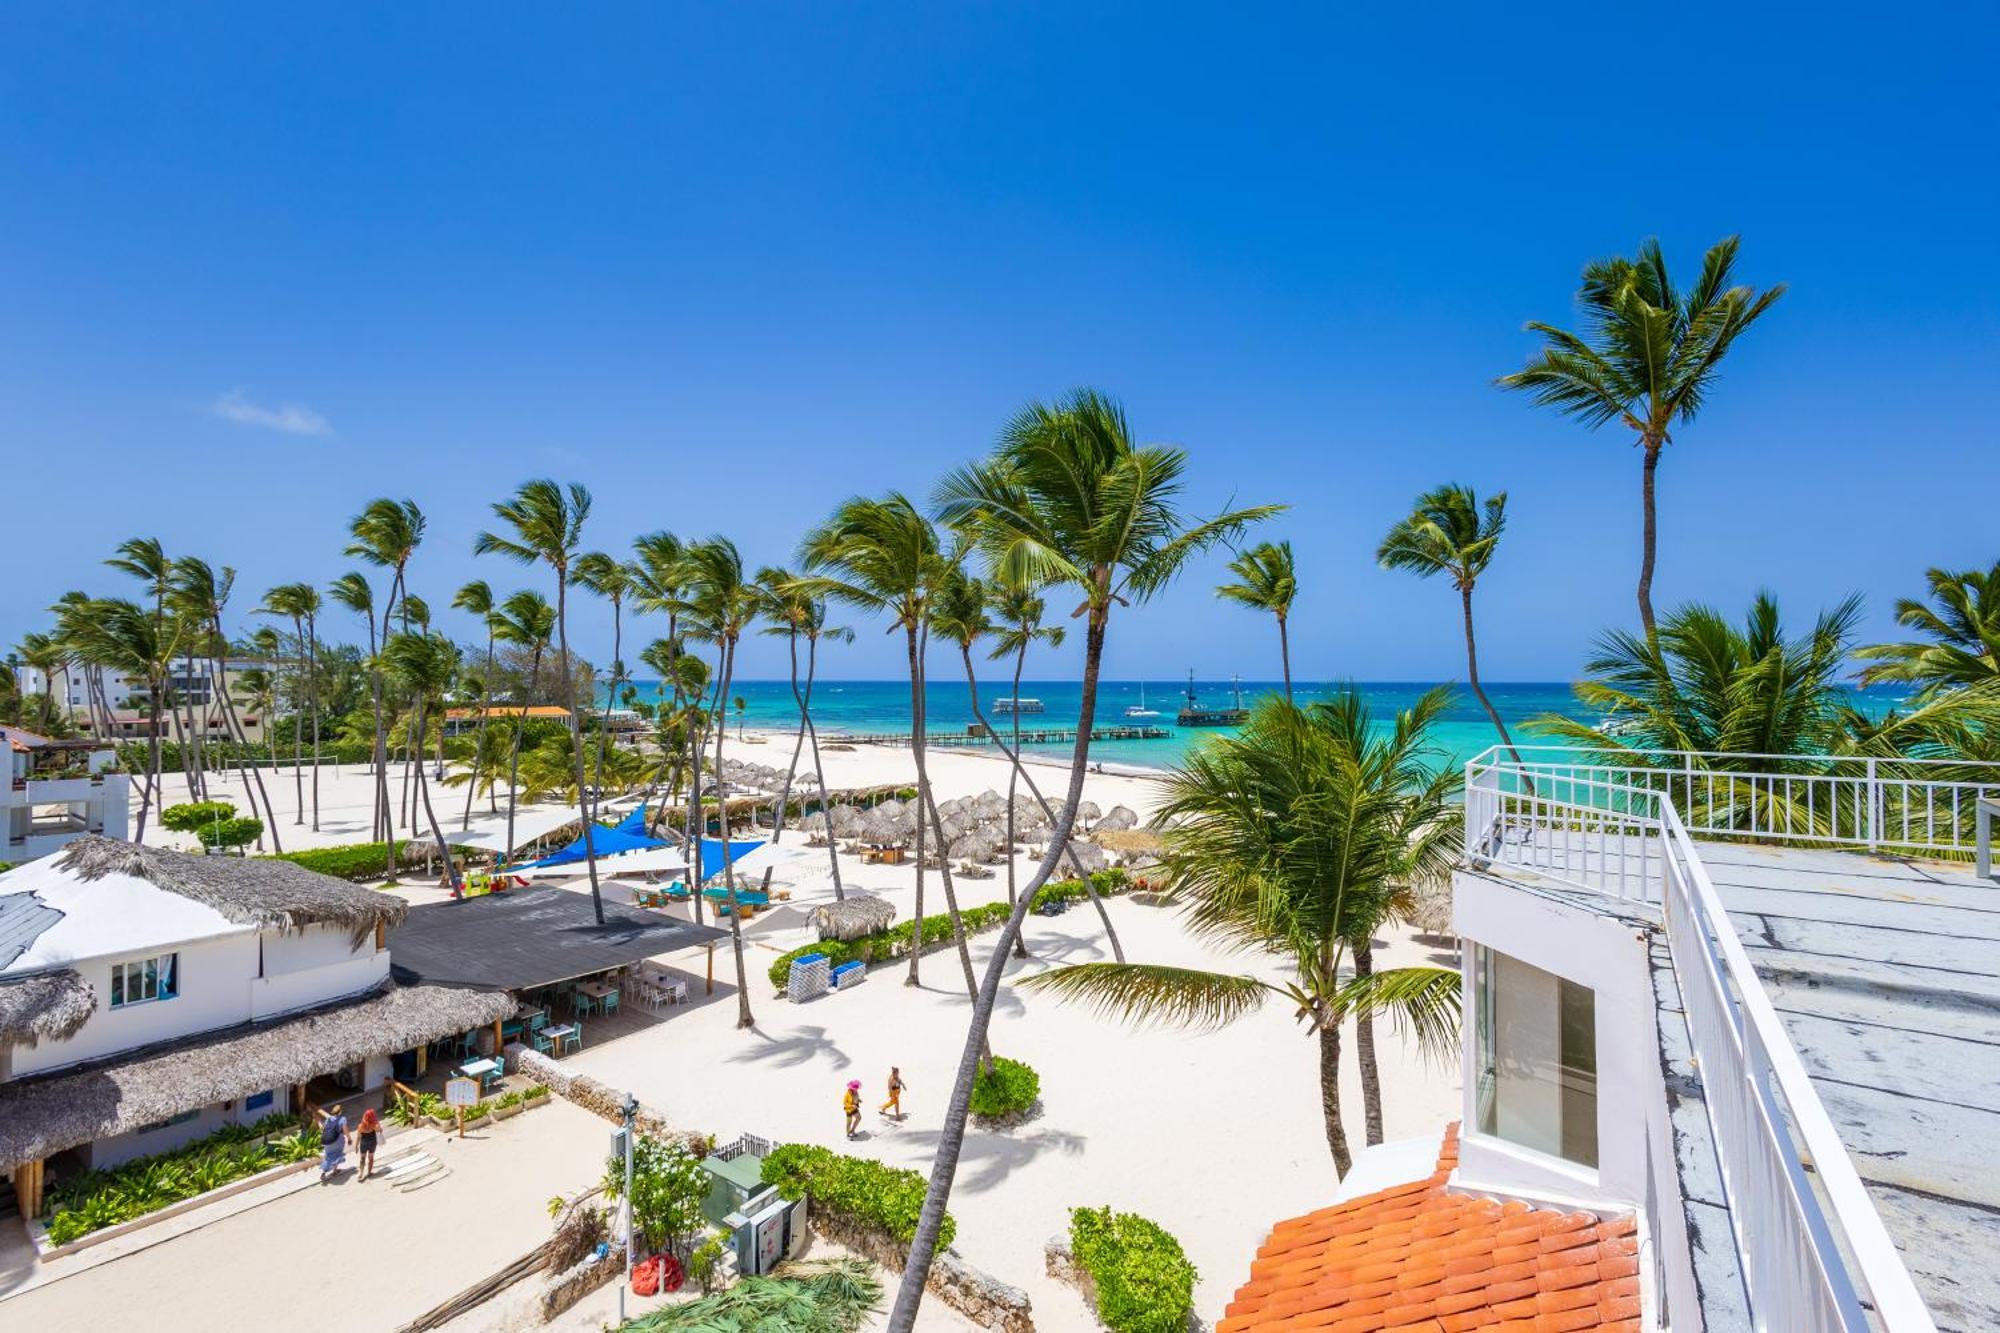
(1647, 358)
(117, 635)
(476, 598)
(546, 521)
(831, 1297)
(386, 534)
(1266, 581)
(614, 581)
(1448, 531)
(199, 594)
(668, 1186)
(300, 603)
(789, 609)
(1005, 1088)
(1300, 835)
(527, 621)
(859, 1190)
(1144, 1281)
(424, 666)
(1068, 499)
(1959, 629)
(229, 833)
(1018, 610)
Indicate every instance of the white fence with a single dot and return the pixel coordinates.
(1814, 1252)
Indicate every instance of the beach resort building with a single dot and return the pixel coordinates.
(122, 709)
(464, 721)
(147, 997)
(1731, 1060)
(58, 791)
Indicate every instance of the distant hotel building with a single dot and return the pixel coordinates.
(130, 706)
(57, 791)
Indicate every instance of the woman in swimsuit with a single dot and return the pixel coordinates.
(371, 1128)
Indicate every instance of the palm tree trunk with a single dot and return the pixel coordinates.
(251, 773)
(576, 739)
(298, 743)
(383, 833)
(1648, 534)
(1364, 1048)
(1013, 778)
(1472, 677)
(1285, 654)
(190, 742)
(430, 812)
(1018, 769)
(514, 750)
(155, 687)
(917, 750)
(611, 690)
(798, 743)
(951, 1137)
(479, 736)
(819, 769)
(744, 1018)
(312, 672)
(1329, 1098)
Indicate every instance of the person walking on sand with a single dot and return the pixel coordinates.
(894, 1106)
(851, 1104)
(364, 1147)
(332, 1143)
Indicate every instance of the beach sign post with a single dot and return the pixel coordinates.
(460, 1093)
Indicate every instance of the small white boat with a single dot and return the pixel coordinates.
(1139, 710)
(1017, 705)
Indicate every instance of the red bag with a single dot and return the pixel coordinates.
(660, 1273)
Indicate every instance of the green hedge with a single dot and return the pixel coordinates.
(1007, 1087)
(886, 945)
(352, 860)
(98, 1199)
(1145, 1283)
(864, 1192)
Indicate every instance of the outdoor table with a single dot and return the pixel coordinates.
(483, 1070)
(559, 1036)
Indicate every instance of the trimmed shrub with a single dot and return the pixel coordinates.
(866, 1193)
(239, 832)
(352, 860)
(1145, 1283)
(1009, 1087)
(195, 815)
(98, 1199)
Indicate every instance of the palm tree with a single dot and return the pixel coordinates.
(300, 604)
(547, 523)
(884, 556)
(1020, 610)
(794, 612)
(724, 603)
(1960, 629)
(1265, 581)
(47, 655)
(386, 533)
(525, 620)
(121, 636)
(424, 664)
(1068, 499)
(1649, 357)
(1448, 531)
(1298, 836)
(146, 560)
(476, 598)
(614, 581)
(660, 578)
(200, 595)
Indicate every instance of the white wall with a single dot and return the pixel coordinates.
(124, 1147)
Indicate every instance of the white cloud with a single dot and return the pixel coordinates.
(291, 418)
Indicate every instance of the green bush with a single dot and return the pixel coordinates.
(885, 945)
(239, 832)
(535, 1092)
(864, 1192)
(98, 1199)
(195, 815)
(352, 860)
(1145, 1283)
(1007, 1087)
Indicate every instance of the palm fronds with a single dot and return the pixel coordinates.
(1148, 993)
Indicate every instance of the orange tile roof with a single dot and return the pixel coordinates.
(1418, 1258)
(508, 710)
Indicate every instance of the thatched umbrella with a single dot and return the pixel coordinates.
(851, 918)
(1130, 841)
(1119, 817)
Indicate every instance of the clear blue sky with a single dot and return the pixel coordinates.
(725, 265)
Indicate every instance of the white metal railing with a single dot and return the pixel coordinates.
(1909, 805)
(1814, 1252)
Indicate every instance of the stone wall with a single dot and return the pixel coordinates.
(578, 1281)
(598, 1098)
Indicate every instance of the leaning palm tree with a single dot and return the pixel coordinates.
(1960, 634)
(1019, 609)
(660, 587)
(1068, 500)
(1647, 359)
(386, 533)
(424, 665)
(791, 611)
(614, 581)
(122, 636)
(147, 561)
(476, 598)
(546, 522)
(200, 595)
(300, 603)
(1448, 531)
(1298, 836)
(525, 620)
(1265, 581)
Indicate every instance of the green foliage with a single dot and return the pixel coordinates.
(194, 815)
(507, 1099)
(812, 1298)
(535, 1092)
(668, 1186)
(230, 832)
(865, 1192)
(885, 945)
(1145, 1283)
(1007, 1087)
(94, 1200)
(353, 860)
(704, 1260)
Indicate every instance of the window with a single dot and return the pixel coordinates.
(169, 1123)
(145, 979)
(257, 1101)
(1536, 1057)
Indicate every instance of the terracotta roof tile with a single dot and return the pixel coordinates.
(1417, 1258)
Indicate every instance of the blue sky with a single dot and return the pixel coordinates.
(726, 265)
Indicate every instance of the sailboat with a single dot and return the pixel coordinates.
(1192, 714)
(1139, 711)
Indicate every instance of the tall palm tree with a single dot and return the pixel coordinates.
(386, 533)
(46, 654)
(1448, 531)
(725, 603)
(885, 556)
(1067, 500)
(146, 560)
(1297, 836)
(424, 665)
(525, 620)
(200, 594)
(614, 581)
(1647, 359)
(122, 636)
(660, 579)
(792, 611)
(1020, 610)
(1266, 581)
(1960, 634)
(547, 526)
(300, 604)
(476, 598)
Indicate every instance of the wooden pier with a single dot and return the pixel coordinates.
(977, 735)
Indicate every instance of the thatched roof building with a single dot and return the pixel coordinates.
(853, 917)
(46, 1114)
(47, 1005)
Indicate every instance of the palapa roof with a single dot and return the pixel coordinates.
(50, 1005)
(852, 917)
(47, 1113)
(522, 938)
(1138, 841)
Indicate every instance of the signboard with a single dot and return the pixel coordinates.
(462, 1092)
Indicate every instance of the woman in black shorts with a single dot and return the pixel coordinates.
(364, 1148)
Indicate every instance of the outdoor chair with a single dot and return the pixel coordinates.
(542, 1041)
(574, 1041)
(609, 1003)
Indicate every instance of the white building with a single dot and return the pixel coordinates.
(58, 791)
(129, 700)
(147, 997)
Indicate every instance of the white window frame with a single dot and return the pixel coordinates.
(134, 972)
